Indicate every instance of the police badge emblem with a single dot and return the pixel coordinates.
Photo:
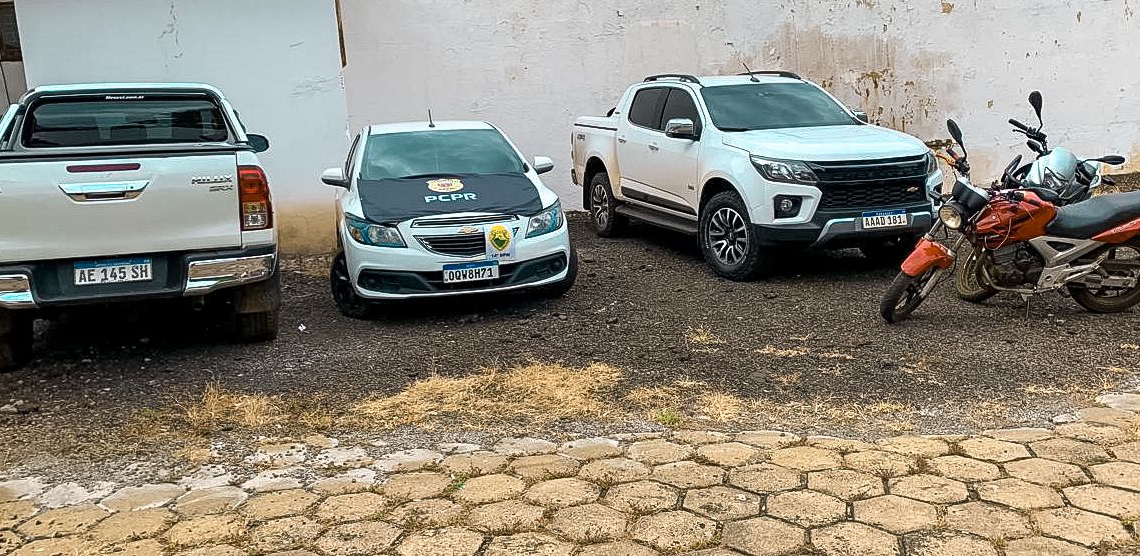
(445, 185)
(500, 244)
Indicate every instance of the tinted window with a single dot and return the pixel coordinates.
(680, 105)
(143, 120)
(772, 106)
(646, 108)
(425, 153)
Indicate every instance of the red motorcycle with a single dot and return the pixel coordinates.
(1028, 245)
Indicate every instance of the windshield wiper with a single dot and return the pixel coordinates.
(730, 129)
(427, 175)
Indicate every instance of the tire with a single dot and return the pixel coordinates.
(559, 289)
(17, 333)
(344, 295)
(904, 296)
(603, 216)
(889, 252)
(257, 310)
(1112, 301)
(728, 240)
(968, 276)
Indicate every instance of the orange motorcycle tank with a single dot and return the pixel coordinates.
(1004, 221)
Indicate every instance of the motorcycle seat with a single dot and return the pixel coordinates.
(1088, 218)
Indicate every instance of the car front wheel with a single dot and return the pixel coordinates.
(344, 295)
(728, 239)
(16, 335)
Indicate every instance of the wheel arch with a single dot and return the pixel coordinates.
(594, 166)
(713, 186)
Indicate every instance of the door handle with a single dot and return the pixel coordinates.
(109, 191)
(621, 139)
(654, 147)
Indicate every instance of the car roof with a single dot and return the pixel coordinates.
(404, 127)
(100, 87)
(723, 80)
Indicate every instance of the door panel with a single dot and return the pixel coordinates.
(675, 170)
(636, 133)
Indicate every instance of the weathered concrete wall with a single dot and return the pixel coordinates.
(277, 60)
(532, 67)
(12, 81)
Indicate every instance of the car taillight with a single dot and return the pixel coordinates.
(256, 208)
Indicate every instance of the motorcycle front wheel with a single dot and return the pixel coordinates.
(904, 295)
(968, 281)
(1123, 262)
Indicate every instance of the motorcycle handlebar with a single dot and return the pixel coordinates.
(1018, 125)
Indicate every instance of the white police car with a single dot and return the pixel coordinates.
(443, 209)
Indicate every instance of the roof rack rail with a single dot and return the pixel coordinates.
(778, 73)
(678, 76)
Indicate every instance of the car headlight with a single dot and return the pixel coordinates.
(950, 216)
(549, 220)
(376, 235)
(931, 163)
(785, 171)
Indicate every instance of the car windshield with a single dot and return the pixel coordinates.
(772, 106)
(443, 152)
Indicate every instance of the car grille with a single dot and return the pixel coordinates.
(863, 184)
(457, 245)
(462, 220)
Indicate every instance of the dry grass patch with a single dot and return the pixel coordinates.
(218, 409)
(778, 352)
(536, 394)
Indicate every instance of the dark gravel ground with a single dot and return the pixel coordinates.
(636, 300)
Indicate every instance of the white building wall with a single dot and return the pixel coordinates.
(278, 61)
(532, 67)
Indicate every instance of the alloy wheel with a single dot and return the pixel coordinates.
(728, 236)
(600, 205)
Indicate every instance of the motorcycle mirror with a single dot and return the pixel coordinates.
(955, 132)
(1035, 102)
(1111, 160)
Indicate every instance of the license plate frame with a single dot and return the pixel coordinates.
(478, 271)
(885, 219)
(112, 271)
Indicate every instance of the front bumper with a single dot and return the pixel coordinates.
(384, 273)
(51, 283)
(844, 228)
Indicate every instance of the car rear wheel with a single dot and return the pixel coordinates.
(728, 240)
(603, 208)
(257, 310)
(344, 295)
(16, 336)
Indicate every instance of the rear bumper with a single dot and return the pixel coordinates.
(51, 283)
(840, 229)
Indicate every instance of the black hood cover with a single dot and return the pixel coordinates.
(388, 201)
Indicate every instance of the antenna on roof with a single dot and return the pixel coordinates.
(751, 76)
(431, 123)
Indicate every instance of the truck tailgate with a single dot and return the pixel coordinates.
(67, 208)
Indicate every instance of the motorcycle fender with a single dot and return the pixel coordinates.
(927, 255)
(1121, 233)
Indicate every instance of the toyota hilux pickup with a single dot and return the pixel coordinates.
(132, 192)
(751, 162)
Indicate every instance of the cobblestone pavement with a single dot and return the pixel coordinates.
(1069, 491)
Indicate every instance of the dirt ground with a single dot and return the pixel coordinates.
(804, 350)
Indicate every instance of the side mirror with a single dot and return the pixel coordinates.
(1035, 102)
(681, 128)
(861, 115)
(334, 177)
(543, 164)
(1111, 160)
(955, 132)
(260, 143)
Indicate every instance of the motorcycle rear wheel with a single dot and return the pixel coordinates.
(1123, 259)
(904, 295)
(968, 276)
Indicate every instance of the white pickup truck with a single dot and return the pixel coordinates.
(127, 192)
(750, 162)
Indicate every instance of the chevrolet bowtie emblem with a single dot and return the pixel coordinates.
(470, 230)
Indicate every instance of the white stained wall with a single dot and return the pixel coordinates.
(532, 67)
(278, 61)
